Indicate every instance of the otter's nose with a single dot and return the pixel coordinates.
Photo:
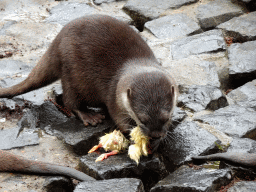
(157, 134)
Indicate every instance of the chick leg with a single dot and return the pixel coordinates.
(95, 148)
(106, 155)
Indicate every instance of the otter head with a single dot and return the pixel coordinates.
(150, 101)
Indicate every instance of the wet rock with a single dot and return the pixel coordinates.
(15, 137)
(177, 117)
(241, 28)
(58, 184)
(49, 114)
(173, 26)
(245, 186)
(233, 120)
(242, 60)
(187, 179)
(65, 12)
(125, 184)
(149, 170)
(74, 133)
(198, 98)
(183, 143)
(243, 145)
(184, 71)
(207, 42)
(244, 95)
(216, 12)
(145, 10)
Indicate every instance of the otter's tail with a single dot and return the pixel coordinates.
(14, 163)
(246, 159)
(47, 70)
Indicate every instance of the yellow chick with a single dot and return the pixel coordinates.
(114, 142)
(140, 147)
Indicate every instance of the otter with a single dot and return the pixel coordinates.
(103, 61)
(15, 163)
(244, 159)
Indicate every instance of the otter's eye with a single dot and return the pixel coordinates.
(143, 119)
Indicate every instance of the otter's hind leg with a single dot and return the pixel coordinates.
(73, 102)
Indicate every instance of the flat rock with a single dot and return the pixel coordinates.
(233, 120)
(151, 9)
(207, 42)
(36, 97)
(75, 134)
(125, 184)
(149, 170)
(245, 186)
(244, 95)
(15, 137)
(241, 28)
(13, 68)
(198, 98)
(187, 179)
(183, 143)
(242, 145)
(65, 12)
(183, 71)
(39, 35)
(32, 183)
(242, 60)
(177, 117)
(216, 12)
(173, 26)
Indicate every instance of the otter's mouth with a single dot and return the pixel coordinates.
(156, 138)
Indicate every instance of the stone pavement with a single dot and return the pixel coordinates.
(209, 46)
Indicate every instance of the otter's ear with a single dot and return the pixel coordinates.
(129, 93)
(173, 91)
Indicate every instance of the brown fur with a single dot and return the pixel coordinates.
(15, 163)
(101, 60)
(244, 159)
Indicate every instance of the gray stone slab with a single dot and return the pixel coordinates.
(207, 42)
(187, 179)
(198, 98)
(241, 28)
(123, 184)
(64, 12)
(213, 13)
(193, 72)
(152, 9)
(10, 68)
(242, 60)
(173, 26)
(75, 134)
(245, 186)
(13, 138)
(183, 143)
(233, 120)
(245, 95)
